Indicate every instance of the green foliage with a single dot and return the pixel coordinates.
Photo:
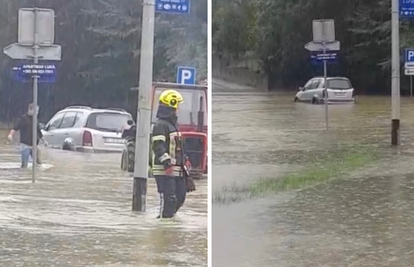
(101, 42)
(277, 31)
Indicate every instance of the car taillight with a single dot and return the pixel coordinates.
(87, 138)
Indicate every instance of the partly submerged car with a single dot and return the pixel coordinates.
(339, 89)
(86, 129)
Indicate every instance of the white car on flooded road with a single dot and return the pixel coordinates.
(86, 129)
(339, 90)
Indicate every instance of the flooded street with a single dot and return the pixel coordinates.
(78, 213)
(362, 219)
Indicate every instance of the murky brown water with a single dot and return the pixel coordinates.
(79, 214)
(361, 220)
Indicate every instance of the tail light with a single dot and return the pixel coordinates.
(87, 138)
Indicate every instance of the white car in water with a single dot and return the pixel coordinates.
(86, 129)
(339, 90)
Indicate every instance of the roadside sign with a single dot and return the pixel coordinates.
(406, 8)
(186, 75)
(314, 46)
(173, 6)
(45, 28)
(18, 51)
(323, 30)
(25, 72)
(409, 72)
(409, 65)
(409, 55)
(329, 56)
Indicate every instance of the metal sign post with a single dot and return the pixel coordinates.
(324, 40)
(35, 34)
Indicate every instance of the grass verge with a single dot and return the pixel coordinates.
(320, 170)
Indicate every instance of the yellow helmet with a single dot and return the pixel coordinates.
(171, 98)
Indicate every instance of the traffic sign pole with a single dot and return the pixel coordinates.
(395, 73)
(144, 108)
(325, 75)
(35, 97)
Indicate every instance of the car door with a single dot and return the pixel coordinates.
(65, 127)
(303, 96)
(51, 127)
(314, 89)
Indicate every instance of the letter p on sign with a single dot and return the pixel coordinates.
(409, 55)
(186, 75)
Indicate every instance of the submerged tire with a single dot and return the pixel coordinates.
(130, 158)
(296, 99)
(315, 101)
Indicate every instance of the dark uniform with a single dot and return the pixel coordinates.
(167, 162)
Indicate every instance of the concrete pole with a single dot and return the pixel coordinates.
(144, 108)
(395, 74)
(35, 91)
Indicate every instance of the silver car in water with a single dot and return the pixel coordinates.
(86, 129)
(339, 90)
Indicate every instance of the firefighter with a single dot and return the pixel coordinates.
(168, 164)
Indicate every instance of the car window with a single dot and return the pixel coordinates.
(68, 120)
(314, 84)
(339, 84)
(108, 121)
(80, 118)
(54, 123)
(308, 84)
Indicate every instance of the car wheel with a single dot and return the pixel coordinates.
(296, 99)
(315, 100)
(130, 158)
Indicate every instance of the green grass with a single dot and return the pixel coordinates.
(318, 171)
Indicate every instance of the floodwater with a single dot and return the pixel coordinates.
(78, 213)
(363, 219)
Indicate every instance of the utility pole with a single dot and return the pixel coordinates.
(395, 73)
(144, 108)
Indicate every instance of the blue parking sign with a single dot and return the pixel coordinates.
(186, 75)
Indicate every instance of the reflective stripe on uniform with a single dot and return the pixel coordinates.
(164, 157)
(158, 138)
(159, 170)
(173, 144)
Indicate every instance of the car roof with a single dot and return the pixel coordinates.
(332, 78)
(94, 110)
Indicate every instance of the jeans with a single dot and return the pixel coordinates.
(26, 153)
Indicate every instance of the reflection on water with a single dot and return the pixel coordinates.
(78, 213)
(361, 220)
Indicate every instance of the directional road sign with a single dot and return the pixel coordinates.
(313, 46)
(25, 72)
(18, 51)
(186, 75)
(406, 8)
(173, 6)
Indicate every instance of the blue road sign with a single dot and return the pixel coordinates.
(409, 55)
(186, 75)
(331, 57)
(25, 72)
(173, 6)
(406, 9)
